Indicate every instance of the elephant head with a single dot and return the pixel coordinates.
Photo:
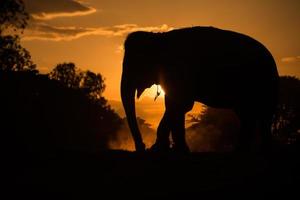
(139, 72)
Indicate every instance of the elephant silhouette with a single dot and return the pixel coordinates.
(220, 68)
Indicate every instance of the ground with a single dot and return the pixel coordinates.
(120, 174)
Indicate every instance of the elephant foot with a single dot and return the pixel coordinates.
(140, 147)
(160, 148)
(181, 149)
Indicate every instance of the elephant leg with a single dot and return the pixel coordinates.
(177, 122)
(266, 134)
(172, 121)
(178, 132)
(265, 130)
(247, 130)
(162, 142)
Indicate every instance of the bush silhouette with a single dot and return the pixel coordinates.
(42, 114)
(286, 127)
(39, 115)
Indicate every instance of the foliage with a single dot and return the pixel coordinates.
(286, 126)
(13, 15)
(67, 74)
(13, 57)
(40, 115)
(90, 83)
(64, 110)
(47, 115)
(213, 130)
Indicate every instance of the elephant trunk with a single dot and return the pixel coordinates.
(128, 99)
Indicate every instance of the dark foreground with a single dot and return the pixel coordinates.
(119, 174)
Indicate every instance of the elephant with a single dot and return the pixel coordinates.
(216, 67)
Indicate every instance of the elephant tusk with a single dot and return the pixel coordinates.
(157, 93)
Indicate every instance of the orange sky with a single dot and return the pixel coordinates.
(90, 33)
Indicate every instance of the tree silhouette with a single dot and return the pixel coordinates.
(42, 116)
(13, 57)
(50, 113)
(67, 74)
(92, 84)
(13, 15)
(286, 126)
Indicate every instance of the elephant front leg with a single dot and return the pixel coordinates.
(178, 133)
(162, 143)
(172, 121)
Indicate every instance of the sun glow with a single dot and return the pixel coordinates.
(153, 91)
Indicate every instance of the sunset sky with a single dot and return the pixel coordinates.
(90, 33)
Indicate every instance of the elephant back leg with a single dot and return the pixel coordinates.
(247, 134)
(265, 125)
(162, 143)
(268, 109)
(177, 111)
(178, 132)
(265, 128)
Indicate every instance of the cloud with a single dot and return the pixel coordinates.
(49, 9)
(291, 59)
(43, 31)
(42, 10)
